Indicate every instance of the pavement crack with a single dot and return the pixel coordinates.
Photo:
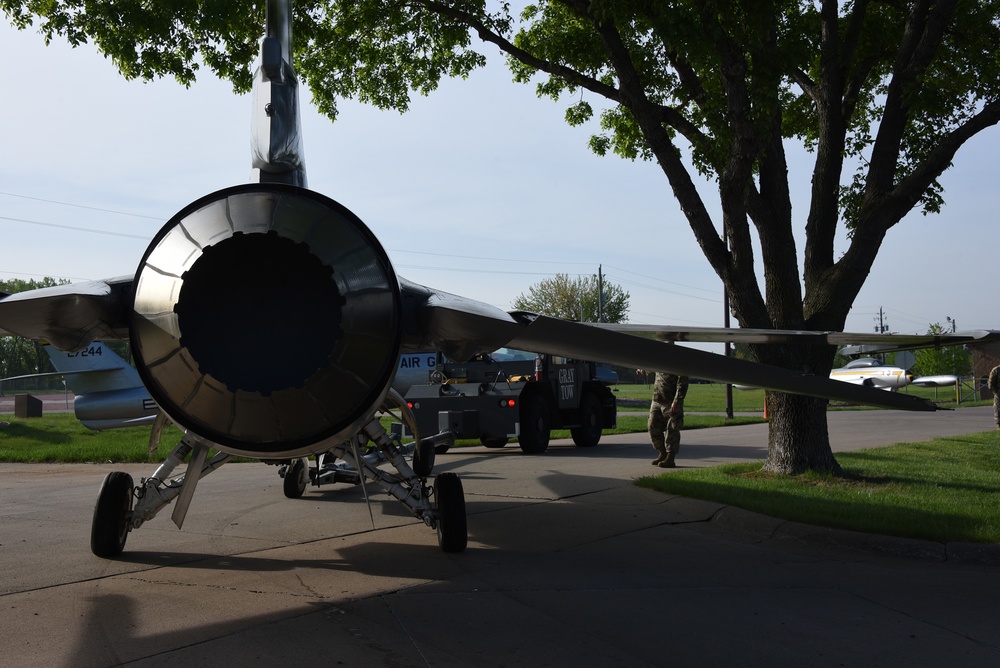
(309, 594)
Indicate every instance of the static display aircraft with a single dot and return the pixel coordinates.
(108, 391)
(870, 372)
(273, 265)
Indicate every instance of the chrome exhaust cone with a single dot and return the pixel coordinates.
(266, 318)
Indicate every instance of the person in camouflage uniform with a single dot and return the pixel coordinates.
(666, 417)
(993, 383)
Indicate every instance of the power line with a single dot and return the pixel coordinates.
(480, 258)
(654, 278)
(68, 278)
(480, 271)
(81, 206)
(669, 292)
(493, 259)
(144, 237)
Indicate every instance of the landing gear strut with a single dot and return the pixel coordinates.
(441, 507)
(123, 507)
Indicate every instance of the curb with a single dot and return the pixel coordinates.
(769, 528)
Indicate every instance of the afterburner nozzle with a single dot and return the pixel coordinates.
(266, 318)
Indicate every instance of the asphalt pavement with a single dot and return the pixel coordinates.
(568, 564)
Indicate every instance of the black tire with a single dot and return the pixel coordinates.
(423, 459)
(493, 441)
(535, 425)
(112, 513)
(452, 530)
(588, 434)
(296, 478)
(441, 449)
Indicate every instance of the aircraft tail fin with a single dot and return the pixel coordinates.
(96, 368)
(277, 154)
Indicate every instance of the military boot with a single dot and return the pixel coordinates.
(667, 462)
(662, 457)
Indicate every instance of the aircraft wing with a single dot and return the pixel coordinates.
(864, 341)
(449, 321)
(74, 315)
(69, 316)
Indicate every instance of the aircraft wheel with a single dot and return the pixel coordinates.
(588, 434)
(110, 527)
(441, 449)
(452, 530)
(423, 459)
(493, 441)
(535, 425)
(296, 478)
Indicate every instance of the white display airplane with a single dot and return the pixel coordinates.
(872, 373)
(272, 265)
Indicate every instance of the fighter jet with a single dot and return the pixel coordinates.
(272, 265)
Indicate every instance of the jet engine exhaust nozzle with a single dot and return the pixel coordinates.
(266, 318)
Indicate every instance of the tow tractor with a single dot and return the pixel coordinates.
(515, 394)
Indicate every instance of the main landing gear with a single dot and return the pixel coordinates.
(123, 507)
(441, 506)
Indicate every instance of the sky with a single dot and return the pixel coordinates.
(481, 189)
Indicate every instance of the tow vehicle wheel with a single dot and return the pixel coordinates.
(535, 424)
(110, 526)
(296, 478)
(493, 441)
(588, 434)
(452, 530)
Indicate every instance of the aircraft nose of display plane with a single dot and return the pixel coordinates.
(261, 314)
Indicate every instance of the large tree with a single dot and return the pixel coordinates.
(575, 299)
(883, 94)
(948, 360)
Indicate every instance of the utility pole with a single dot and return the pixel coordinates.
(600, 294)
(725, 323)
(882, 327)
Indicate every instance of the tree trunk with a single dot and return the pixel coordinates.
(798, 438)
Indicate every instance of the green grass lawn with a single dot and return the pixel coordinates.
(59, 437)
(944, 490)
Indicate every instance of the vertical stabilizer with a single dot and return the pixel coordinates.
(96, 368)
(276, 130)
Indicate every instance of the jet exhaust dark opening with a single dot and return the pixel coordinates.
(260, 313)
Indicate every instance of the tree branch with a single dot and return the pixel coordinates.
(648, 116)
(487, 35)
(922, 36)
(909, 189)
